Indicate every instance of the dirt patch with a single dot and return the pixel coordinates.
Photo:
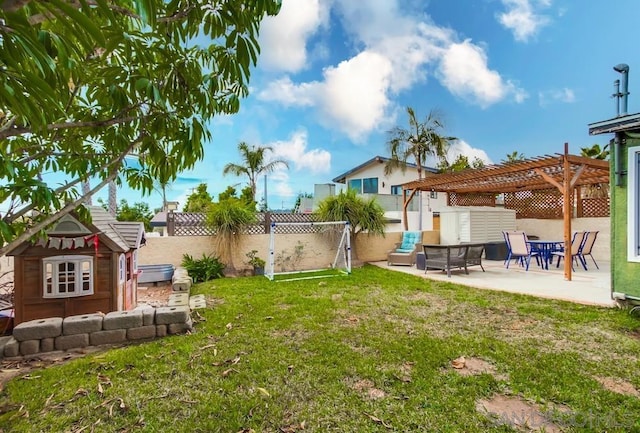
(473, 366)
(517, 413)
(618, 385)
(367, 388)
(156, 296)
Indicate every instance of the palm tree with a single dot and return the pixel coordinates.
(598, 190)
(254, 164)
(364, 215)
(595, 151)
(421, 140)
(514, 156)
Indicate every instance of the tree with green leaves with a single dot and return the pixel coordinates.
(253, 164)
(595, 152)
(227, 218)
(514, 156)
(598, 190)
(245, 196)
(364, 215)
(461, 163)
(138, 211)
(84, 84)
(199, 200)
(418, 142)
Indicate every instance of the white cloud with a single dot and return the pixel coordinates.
(300, 158)
(522, 17)
(564, 95)
(283, 37)
(295, 150)
(464, 71)
(393, 51)
(461, 147)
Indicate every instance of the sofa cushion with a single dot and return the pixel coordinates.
(409, 241)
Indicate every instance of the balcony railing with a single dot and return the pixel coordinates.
(392, 202)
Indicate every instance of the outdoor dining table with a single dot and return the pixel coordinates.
(545, 248)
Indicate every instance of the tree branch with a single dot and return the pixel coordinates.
(71, 125)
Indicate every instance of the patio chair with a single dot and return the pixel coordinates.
(587, 246)
(576, 250)
(520, 249)
(405, 252)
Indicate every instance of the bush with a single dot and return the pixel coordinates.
(204, 269)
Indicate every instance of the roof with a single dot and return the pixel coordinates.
(531, 174)
(376, 159)
(629, 122)
(126, 234)
(159, 220)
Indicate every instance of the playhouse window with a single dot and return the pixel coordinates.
(67, 276)
(633, 205)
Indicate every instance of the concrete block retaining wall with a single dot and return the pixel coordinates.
(73, 332)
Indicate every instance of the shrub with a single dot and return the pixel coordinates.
(204, 269)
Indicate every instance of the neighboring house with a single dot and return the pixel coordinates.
(625, 203)
(78, 269)
(369, 179)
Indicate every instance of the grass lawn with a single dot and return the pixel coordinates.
(377, 351)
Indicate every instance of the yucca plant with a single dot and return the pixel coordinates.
(228, 218)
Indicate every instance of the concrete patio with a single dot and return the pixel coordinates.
(591, 287)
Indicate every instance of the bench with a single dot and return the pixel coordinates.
(447, 257)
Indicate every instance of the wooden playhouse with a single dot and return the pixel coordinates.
(79, 268)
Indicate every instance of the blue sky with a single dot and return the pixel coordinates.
(334, 76)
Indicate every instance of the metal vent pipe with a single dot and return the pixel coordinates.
(623, 69)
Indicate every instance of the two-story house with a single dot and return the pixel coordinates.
(369, 179)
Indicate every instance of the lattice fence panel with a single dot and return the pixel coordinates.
(191, 224)
(595, 207)
(456, 199)
(194, 224)
(542, 204)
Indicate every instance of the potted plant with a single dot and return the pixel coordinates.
(256, 262)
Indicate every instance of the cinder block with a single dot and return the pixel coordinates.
(47, 345)
(148, 314)
(122, 320)
(112, 336)
(29, 347)
(11, 348)
(181, 285)
(180, 328)
(197, 303)
(141, 333)
(161, 330)
(82, 324)
(176, 299)
(168, 315)
(65, 342)
(4, 340)
(199, 297)
(38, 329)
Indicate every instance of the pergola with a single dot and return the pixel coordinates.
(563, 171)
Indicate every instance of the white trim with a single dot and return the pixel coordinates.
(633, 203)
(52, 283)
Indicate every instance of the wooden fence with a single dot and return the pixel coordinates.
(194, 224)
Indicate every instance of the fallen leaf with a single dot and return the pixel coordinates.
(229, 371)
(268, 318)
(458, 362)
(100, 390)
(353, 319)
(229, 326)
(264, 392)
(29, 377)
(377, 420)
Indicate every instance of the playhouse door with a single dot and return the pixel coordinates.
(129, 295)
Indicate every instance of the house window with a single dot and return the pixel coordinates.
(67, 276)
(633, 204)
(122, 263)
(396, 189)
(433, 194)
(370, 185)
(356, 184)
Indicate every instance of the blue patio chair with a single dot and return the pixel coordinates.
(576, 250)
(520, 249)
(405, 252)
(587, 247)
